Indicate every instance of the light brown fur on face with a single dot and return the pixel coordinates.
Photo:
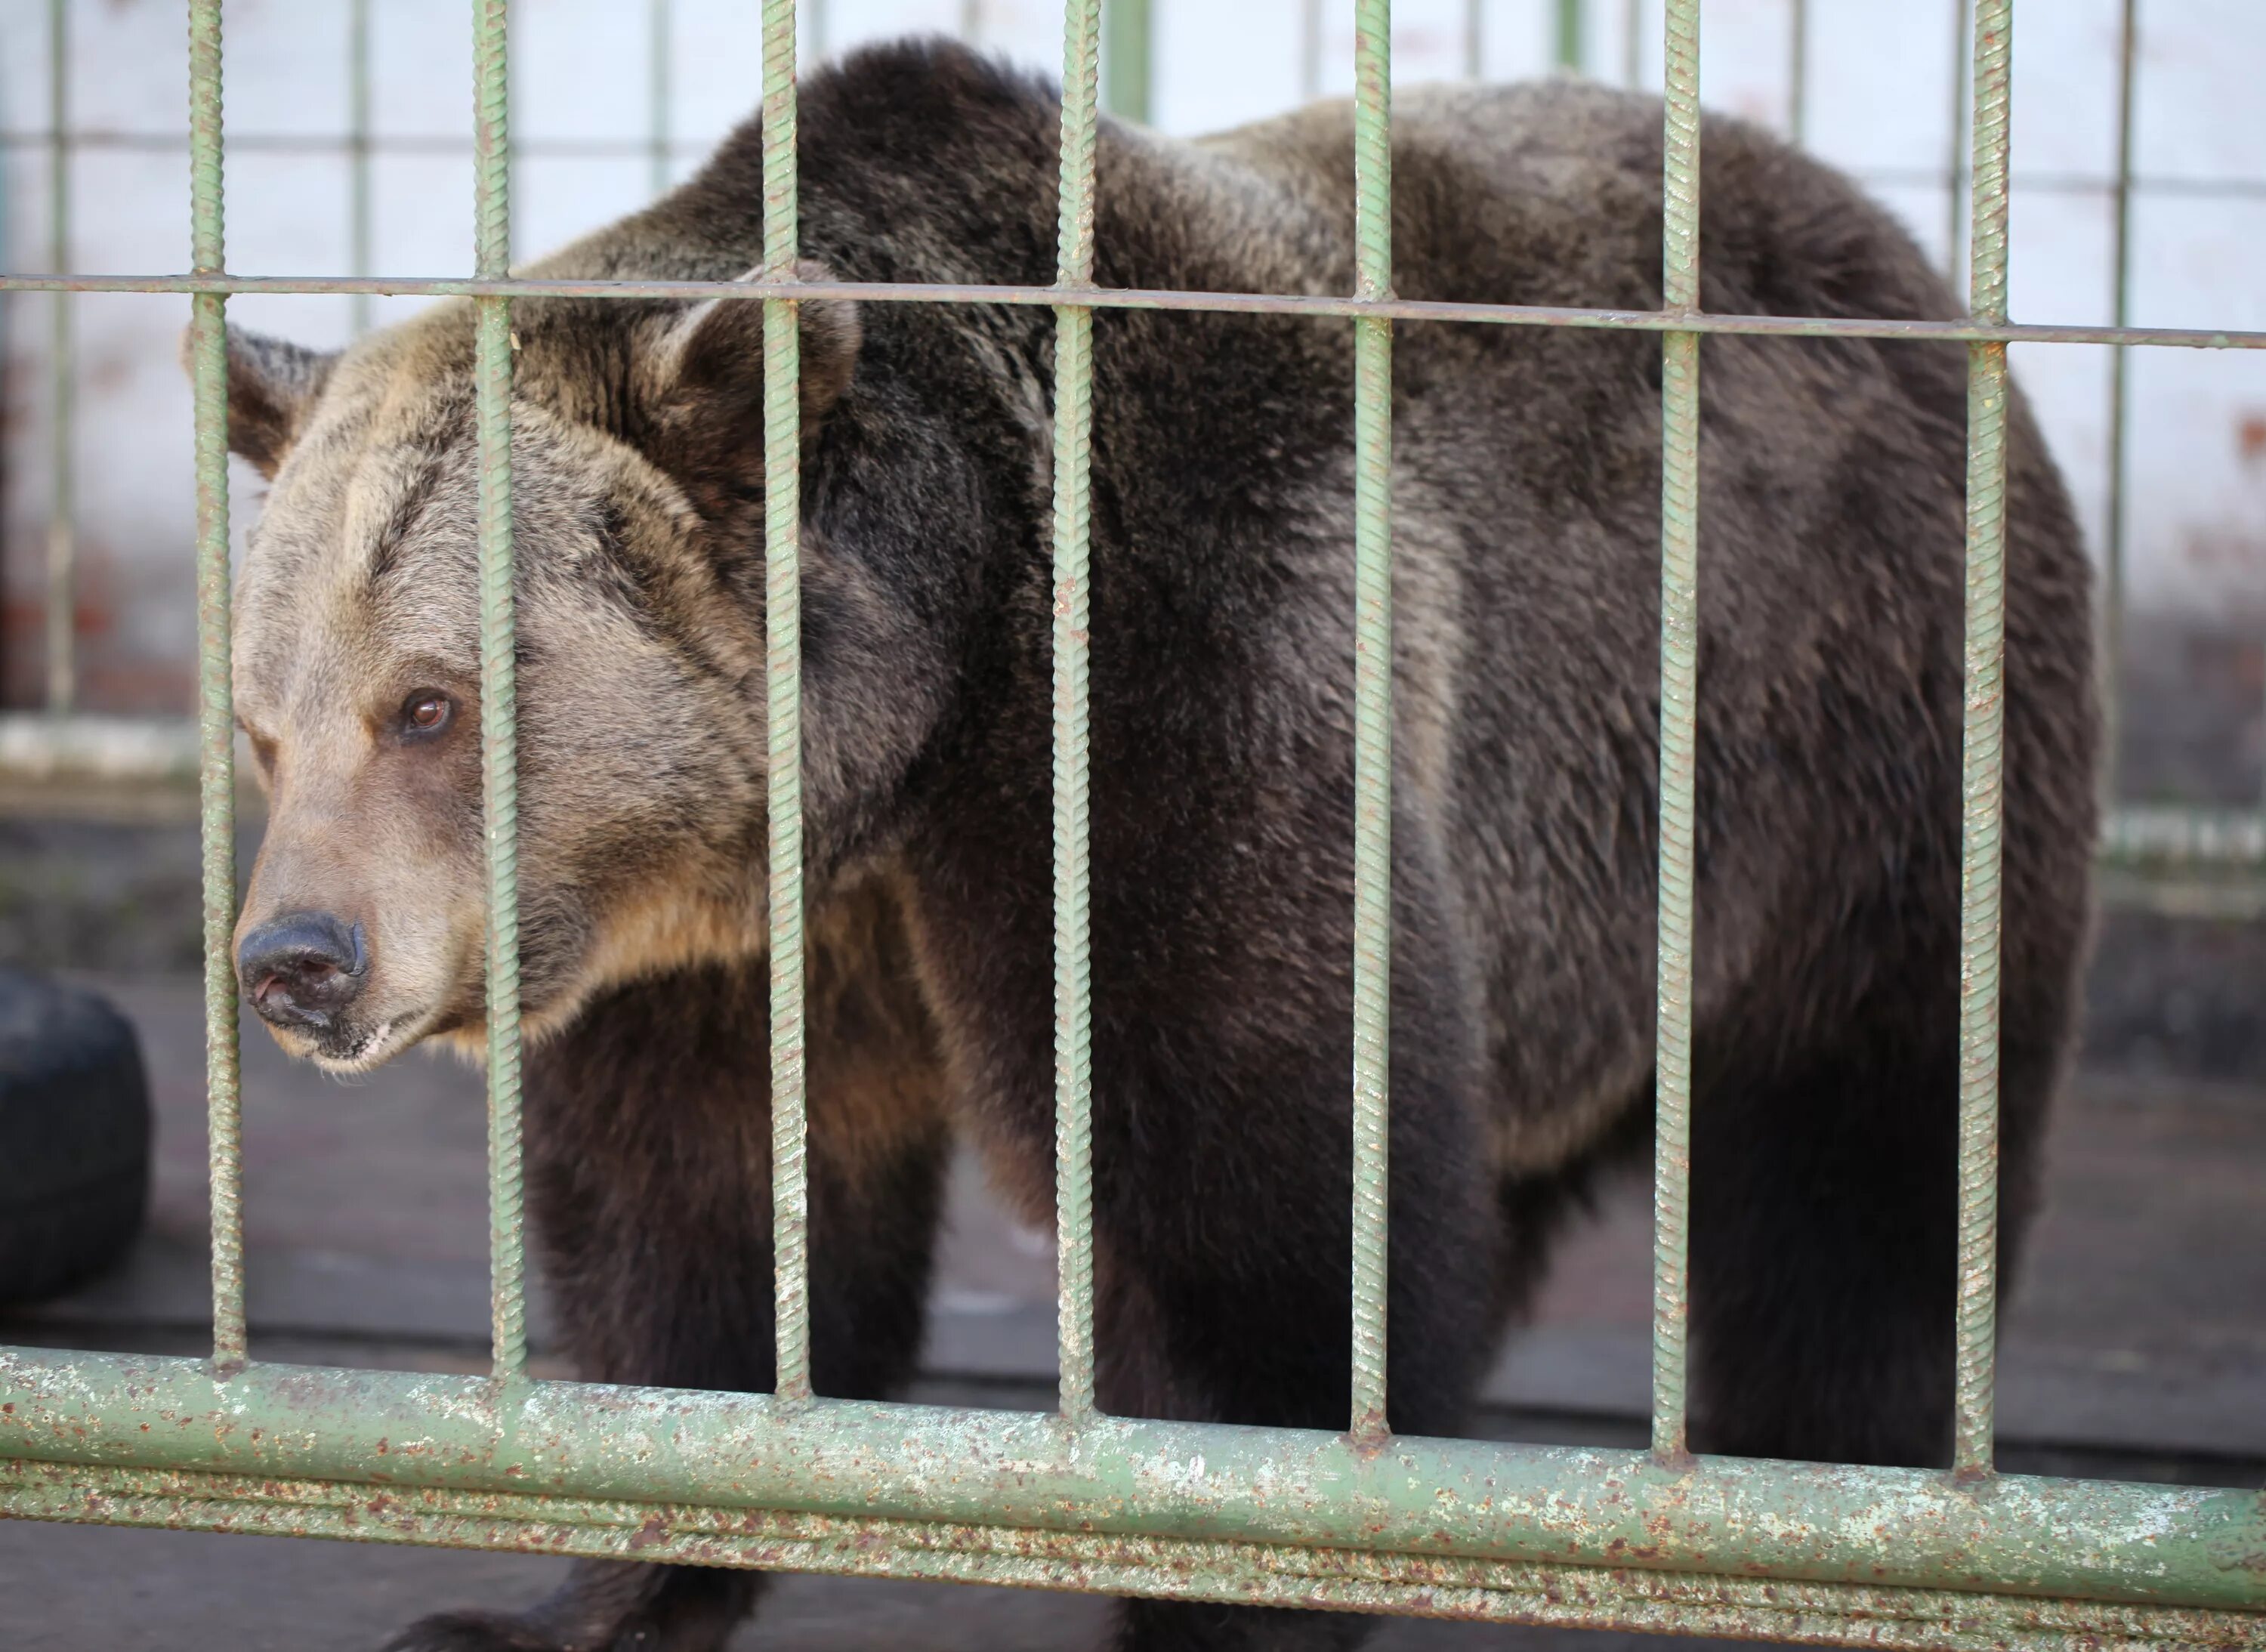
(640, 753)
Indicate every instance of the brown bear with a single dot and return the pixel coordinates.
(1526, 485)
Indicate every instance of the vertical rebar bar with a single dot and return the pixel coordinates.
(1568, 37)
(971, 20)
(2112, 603)
(1797, 74)
(1073, 515)
(1679, 674)
(1310, 50)
(1125, 58)
(1982, 785)
(62, 377)
(499, 681)
(359, 236)
(1474, 37)
(215, 714)
(783, 711)
(1961, 101)
(1372, 851)
(1633, 44)
(658, 36)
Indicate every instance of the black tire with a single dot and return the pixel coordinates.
(75, 1128)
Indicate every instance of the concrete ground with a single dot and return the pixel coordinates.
(2135, 1346)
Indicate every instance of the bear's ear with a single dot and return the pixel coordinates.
(271, 387)
(702, 387)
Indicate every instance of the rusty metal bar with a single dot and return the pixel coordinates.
(62, 381)
(1073, 522)
(215, 713)
(1983, 782)
(1373, 761)
(1169, 299)
(499, 685)
(1679, 668)
(1542, 1593)
(783, 709)
(2178, 1546)
(2112, 553)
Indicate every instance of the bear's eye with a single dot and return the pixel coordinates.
(426, 712)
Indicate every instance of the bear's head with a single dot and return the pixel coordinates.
(636, 495)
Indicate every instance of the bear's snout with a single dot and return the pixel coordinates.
(301, 969)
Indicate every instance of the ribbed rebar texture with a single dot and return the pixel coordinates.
(1679, 674)
(1373, 761)
(215, 713)
(499, 685)
(1983, 782)
(783, 703)
(1073, 518)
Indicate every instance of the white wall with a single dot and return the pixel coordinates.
(1880, 102)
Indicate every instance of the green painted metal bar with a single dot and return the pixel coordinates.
(659, 33)
(783, 710)
(1621, 1598)
(1373, 761)
(62, 382)
(1679, 672)
(1073, 522)
(360, 235)
(815, 10)
(1797, 117)
(1569, 36)
(499, 684)
(1169, 299)
(1310, 49)
(1983, 780)
(1128, 49)
(216, 712)
(1961, 100)
(1633, 44)
(2120, 256)
(2179, 1547)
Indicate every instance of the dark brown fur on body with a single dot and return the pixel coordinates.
(1526, 492)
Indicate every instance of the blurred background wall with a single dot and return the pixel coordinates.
(349, 150)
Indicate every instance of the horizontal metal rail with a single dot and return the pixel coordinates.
(1472, 1499)
(1156, 299)
(1545, 1593)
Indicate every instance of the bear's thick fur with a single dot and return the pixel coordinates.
(1527, 490)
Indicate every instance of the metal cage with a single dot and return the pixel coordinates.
(1365, 1520)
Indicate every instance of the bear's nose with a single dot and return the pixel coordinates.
(302, 969)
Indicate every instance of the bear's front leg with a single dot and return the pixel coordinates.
(648, 1152)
